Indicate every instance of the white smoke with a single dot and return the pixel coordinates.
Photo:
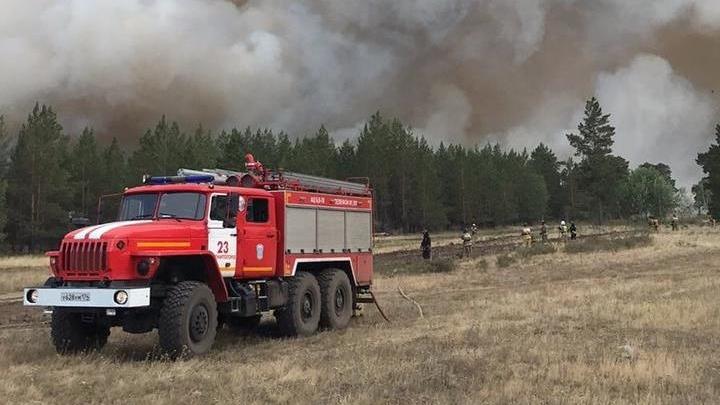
(464, 71)
(659, 116)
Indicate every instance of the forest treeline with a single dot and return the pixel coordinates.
(48, 176)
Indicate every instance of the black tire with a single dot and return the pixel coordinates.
(188, 320)
(243, 325)
(71, 335)
(301, 314)
(336, 299)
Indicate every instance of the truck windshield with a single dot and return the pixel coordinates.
(138, 206)
(171, 205)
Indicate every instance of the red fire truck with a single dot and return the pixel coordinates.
(205, 248)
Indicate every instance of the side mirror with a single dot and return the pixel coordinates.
(232, 210)
(79, 222)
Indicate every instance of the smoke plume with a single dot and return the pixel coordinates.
(465, 71)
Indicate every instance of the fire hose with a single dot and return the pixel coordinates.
(377, 305)
(417, 304)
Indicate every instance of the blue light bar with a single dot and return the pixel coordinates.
(180, 179)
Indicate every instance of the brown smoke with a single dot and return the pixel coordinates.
(468, 71)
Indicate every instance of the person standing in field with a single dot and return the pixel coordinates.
(543, 232)
(467, 242)
(654, 223)
(563, 231)
(426, 245)
(573, 231)
(526, 234)
(674, 223)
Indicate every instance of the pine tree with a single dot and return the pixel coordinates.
(161, 150)
(544, 162)
(4, 148)
(346, 160)
(595, 138)
(710, 163)
(4, 160)
(373, 160)
(599, 173)
(315, 154)
(283, 152)
(200, 150)
(115, 178)
(38, 191)
(85, 173)
(426, 210)
(702, 196)
(233, 146)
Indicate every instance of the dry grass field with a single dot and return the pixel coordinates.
(640, 325)
(17, 272)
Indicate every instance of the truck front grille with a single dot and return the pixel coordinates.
(83, 258)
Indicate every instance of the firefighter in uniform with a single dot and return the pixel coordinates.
(543, 232)
(674, 223)
(654, 223)
(563, 231)
(526, 234)
(426, 245)
(467, 242)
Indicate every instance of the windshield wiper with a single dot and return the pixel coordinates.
(173, 216)
(141, 216)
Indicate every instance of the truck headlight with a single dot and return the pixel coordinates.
(33, 296)
(121, 297)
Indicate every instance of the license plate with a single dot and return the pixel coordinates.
(74, 297)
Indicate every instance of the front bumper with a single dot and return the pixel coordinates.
(87, 297)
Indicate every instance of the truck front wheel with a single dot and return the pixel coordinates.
(337, 299)
(188, 320)
(71, 333)
(301, 314)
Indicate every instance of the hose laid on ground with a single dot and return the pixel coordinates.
(378, 307)
(419, 307)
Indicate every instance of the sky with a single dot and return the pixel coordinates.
(516, 72)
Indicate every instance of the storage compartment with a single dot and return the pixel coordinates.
(300, 232)
(313, 230)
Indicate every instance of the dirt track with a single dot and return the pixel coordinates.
(489, 247)
(14, 316)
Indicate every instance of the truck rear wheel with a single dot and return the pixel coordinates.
(188, 320)
(336, 299)
(71, 334)
(301, 314)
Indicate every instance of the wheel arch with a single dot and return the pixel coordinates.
(200, 266)
(318, 265)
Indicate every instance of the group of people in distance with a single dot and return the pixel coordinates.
(467, 242)
(654, 223)
(526, 233)
(563, 229)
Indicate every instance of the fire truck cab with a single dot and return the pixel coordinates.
(191, 253)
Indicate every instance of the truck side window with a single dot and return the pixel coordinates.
(257, 210)
(218, 208)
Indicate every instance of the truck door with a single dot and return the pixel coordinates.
(258, 239)
(222, 235)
